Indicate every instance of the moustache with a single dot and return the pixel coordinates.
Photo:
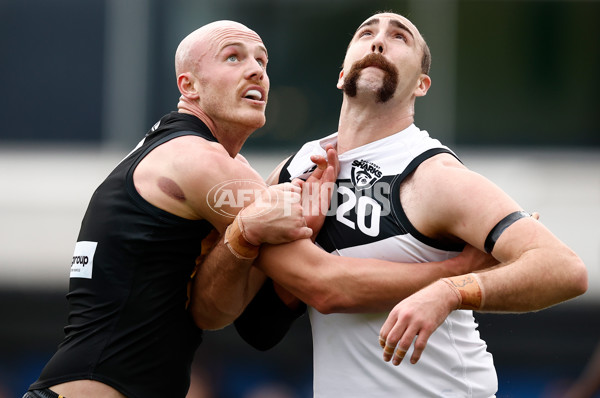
(376, 60)
(390, 80)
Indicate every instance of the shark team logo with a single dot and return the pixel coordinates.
(364, 174)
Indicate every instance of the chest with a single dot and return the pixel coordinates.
(363, 208)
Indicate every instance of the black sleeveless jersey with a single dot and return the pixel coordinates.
(128, 326)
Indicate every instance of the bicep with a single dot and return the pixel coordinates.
(217, 186)
(463, 204)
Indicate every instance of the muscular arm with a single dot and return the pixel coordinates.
(194, 168)
(222, 287)
(332, 283)
(540, 271)
(536, 269)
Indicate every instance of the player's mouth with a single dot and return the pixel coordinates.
(255, 93)
(373, 65)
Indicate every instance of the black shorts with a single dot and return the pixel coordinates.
(45, 393)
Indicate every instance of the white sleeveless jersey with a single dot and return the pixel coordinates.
(366, 220)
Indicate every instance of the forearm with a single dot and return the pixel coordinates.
(223, 285)
(536, 270)
(332, 283)
(527, 284)
(538, 279)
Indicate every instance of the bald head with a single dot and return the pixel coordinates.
(209, 37)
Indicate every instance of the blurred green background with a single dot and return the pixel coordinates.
(504, 72)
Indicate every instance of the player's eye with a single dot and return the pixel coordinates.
(232, 58)
(401, 36)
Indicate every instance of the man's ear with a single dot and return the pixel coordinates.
(340, 82)
(423, 85)
(187, 88)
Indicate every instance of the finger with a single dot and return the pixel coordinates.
(316, 175)
(535, 215)
(395, 335)
(319, 160)
(383, 335)
(387, 327)
(289, 187)
(305, 233)
(419, 346)
(297, 182)
(279, 187)
(332, 159)
(329, 175)
(404, 344)
(321, 163)
(388, 352)
(398, 356)
(331, 156)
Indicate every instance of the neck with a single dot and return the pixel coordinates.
(231, 139)
(362, 123)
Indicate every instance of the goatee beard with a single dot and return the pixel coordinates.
(390, 79)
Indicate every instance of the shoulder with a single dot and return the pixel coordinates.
(436, 175)
(448, 200)
(191, 156)
(197, 168)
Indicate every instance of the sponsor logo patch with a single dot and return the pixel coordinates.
(82, 263)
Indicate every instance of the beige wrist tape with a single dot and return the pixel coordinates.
(468, 289)
(237, 243)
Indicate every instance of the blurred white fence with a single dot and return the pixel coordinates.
(44, 193)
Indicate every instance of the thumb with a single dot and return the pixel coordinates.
(297, 182)
(305, 233)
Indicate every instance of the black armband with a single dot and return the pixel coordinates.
(267, 319)
(506, 222)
